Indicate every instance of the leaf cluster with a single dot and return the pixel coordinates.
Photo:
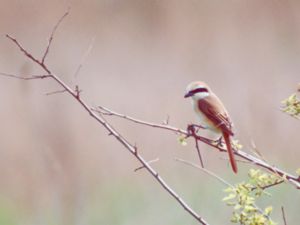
(242, 198)
(291, 106)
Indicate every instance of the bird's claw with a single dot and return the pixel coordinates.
(218, 142)
(192, 129)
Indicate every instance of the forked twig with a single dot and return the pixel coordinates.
(111, 131)
(149, 162)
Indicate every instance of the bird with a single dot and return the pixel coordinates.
(212, 114)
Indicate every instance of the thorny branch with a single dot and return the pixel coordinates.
(294, 180)
(111, 131)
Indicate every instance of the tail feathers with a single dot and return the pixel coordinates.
(230, 152)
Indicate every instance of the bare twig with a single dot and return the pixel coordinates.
(30, 56)
(205, 171)
(149, 162)
(294, 180)
(106, 111)
(52, 35)
(256, 151)
(31, 77)
(199, 153)
(272, 185)
(192, 132)
(283, 215)
(56, 92)
(85, 55)
(113, 132)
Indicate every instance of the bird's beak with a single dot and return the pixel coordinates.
(189, 94)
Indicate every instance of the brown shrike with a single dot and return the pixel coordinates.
(212, 114)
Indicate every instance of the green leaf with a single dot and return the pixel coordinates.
(182, 140)
(298, 171)
(268, 210)
(229, 197)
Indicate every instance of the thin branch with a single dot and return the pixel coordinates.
(205, 171)
(27, 54)
(294, 180)
(56, 92)
(85, 55)
(283, 215)
(111, 131)
(192, 130)
(256, 151)
(199, 153)
(149, 162)
(272, 185)
(31, 77)
(106, 111)
(52, 35)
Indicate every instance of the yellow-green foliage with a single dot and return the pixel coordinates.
(242, 198)
(291, 105)
(182, 140)
(298, 171)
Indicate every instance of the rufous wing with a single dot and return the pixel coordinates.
(216, 113)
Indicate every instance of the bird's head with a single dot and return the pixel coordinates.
(197, 90)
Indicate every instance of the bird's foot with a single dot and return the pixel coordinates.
(218, 142)
(190, 130)
(193, 129)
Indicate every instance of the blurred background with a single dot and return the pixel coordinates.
(58, 166)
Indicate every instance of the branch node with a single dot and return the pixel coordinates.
(135, 149)
(77, 92)
(149, 162)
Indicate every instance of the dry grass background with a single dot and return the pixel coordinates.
(57, 166)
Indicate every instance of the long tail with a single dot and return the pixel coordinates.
(230, 152)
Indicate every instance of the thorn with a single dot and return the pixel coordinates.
(135, 149)
(77, 91)
(166, 121)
